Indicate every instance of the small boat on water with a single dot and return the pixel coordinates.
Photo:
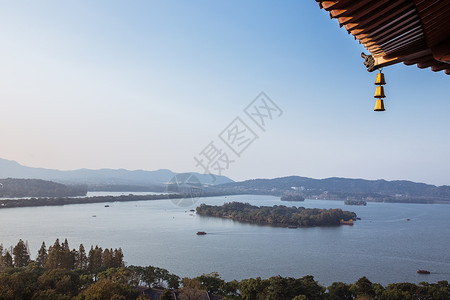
(423, 272)
(106, 205)
(201, 233)
(292, 227)
(408, 219)
(192, 210)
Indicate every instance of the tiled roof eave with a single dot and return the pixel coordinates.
(393, 31)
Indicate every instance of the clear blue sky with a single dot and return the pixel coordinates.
(149, 84)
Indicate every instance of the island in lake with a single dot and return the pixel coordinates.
(355, 202)
(292, 197)
(278, 215)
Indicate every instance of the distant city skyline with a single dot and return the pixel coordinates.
(150, 85)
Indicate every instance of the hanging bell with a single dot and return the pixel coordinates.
(380, 79)
(379, 92)
(379, 105)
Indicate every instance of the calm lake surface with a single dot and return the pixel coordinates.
(382, 246)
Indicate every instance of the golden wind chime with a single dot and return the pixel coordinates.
(379, 92)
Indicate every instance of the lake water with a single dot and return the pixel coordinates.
(382, 246)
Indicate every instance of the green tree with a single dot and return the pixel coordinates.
(21, 255)
(379, 290)
(231, 288)
(278, 289)
(42, 255)
(65, 245)
(340, 291)
(251, 288)
(192, 289)
(107, 258)
(309, 287)
(61, 281)
(60, 256)
(118, 258)
(49, 295)
(166, 295)
(95, 260)
(119, 275)
(173, 281)
(54, 256)
(439, 290)
(6, 261)
(137, 273)
(105, 289)
(67, 257)
(149, 275)
(212, 282)
(81, 260)
(20, 283)
(287, 288)
(362, 287)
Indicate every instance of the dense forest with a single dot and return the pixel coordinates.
(278, 215)
(61, 273)
(13, 187)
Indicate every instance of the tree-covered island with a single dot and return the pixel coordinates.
(355, 202)
(292, 197)
(278, 215)
(55, 201)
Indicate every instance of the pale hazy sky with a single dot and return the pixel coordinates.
(149, 84)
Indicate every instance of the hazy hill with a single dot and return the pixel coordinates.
(13, 169)
(11, 187)
(342, 188)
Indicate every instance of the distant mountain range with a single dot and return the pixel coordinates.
(12, 169)
(344, 188)
(329, 188)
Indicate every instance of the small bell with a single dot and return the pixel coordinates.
(379, 92)
(380, 79)
(379, 105)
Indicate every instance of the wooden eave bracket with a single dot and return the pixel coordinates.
(441, 52)
(373, 63)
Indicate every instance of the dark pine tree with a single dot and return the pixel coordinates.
(54, 256)
(42, 255)
(21, 255)
(6, 261)
(81, 261)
